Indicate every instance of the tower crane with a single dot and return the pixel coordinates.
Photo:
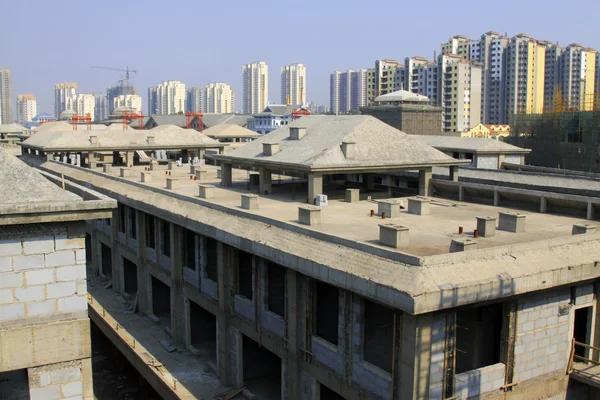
(126, 70)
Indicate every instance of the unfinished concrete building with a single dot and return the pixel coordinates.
(474, 294)
(44, 327)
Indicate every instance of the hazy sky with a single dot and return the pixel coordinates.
(51, 41)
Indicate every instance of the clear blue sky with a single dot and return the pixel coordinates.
(47, 42)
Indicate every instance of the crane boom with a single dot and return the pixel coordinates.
(126, 70)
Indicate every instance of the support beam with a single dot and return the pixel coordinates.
(226, 175)
(453, 173)
(424, 179)
(315, 187)
(264, 181)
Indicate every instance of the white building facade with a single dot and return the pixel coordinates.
(83, 104)
(170, 98)
(194, 98)
(293, 84)
(218, 98)
(131, 101)
(348, 91)
(255, 87)
(63, 95)
(26, 108)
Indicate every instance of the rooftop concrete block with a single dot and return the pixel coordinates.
(486, 226)
(352, 195)
(172, 183)
(107, 168)
(206, 191)
(419, 205)
(394, 235)
(270, 149)
(511, 222)
(124, 172)
(171, 165)
(462, 245)
(201, 174)
(250, 201)
(391, 207)
(192, 169)
(145, 176)
(153, 165)
(582, 229)
(309, 215)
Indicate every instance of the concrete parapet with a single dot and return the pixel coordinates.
(250, 201)
(462, 245)
(201, 174)
(172, 183)
(107, 168)
(391, 207)
(124, 172)
(419, 205)
(145, 176)
(206, 191)
(352, 195)
(309, 215)
(394, 235)
(486, 226)
(582, 229)
(511, 222)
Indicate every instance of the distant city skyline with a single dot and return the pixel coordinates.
(219, 60)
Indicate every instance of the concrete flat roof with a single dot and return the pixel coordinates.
(472, 145)
(115, 138)
(375, 146)
(344, 249)
(227, 131)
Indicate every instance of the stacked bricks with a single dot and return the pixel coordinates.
(41, 277)
(56, 381)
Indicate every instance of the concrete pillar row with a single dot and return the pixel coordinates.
(424, 181)
(265, 181)
(315, 186)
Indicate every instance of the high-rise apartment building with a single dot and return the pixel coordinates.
(101, 109)
(419, 76)
(385, 76)
(115, 91)
(152, 101)
(578, 77)
(552, 77)
(26, 108)
(348, 90)
(217, 98)
(334, 92)
(83, 104)
(371, 86)
(459, 45)
(6, 96)
(167, 98)
(62, 93)
(525, 70)
(490, 51)
(255, 87)
(194, 100)
(131, 101)
(459, 92)
(293, 84)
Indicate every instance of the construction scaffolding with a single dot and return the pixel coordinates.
(563, 138)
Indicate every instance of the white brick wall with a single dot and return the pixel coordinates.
(62, 381)
(42, 276)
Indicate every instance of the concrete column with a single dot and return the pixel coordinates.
(116, 265)
(201, 153)
(226, 176)
(369, 181)
(224, 255)
(543, 205)
(590, 210)
(91, 160)
(49, 156)
(315, 187)
(294, 327)
(411, 381)
(129, 158)
(453, 173)
(264, 181)
(142, 274)
(177, 301)
(496, 198)
(461, 193)
(424, 179)
(184, 156)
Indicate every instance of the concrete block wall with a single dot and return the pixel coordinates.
(438, 346)
(472, 384)
(327, 353)
(42, 277)
(368, 376)
(543, 327)
(62, 381)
